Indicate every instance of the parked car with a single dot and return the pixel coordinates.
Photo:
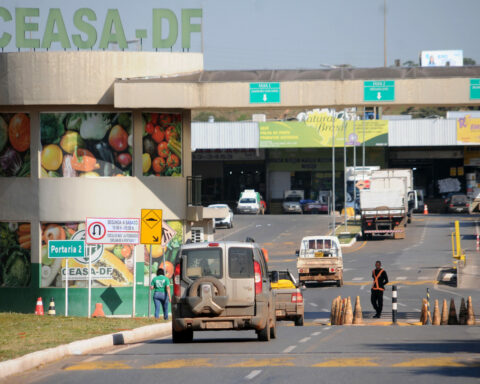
(457, 203)
(222, 286)
(289, 298)
(291, 201)
(224, 221)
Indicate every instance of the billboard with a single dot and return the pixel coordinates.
(316, 132)
(468, 130)
(441, 58)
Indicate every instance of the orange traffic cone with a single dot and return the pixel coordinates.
(98, 310)
(39, 307)
(425, 209)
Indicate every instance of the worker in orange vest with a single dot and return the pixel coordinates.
(380, 279)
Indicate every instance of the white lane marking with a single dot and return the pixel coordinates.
(316, 333)
(401, 278)
(313, 304)
(417, 310)
(325, 310)
(347, 269)
(362, 287)
(407, 268)
(387, 297)
(289, 349)
(305, 339)
(327, 328)
(401, 304)
(93, 358)
(357, 278)
(253, 374)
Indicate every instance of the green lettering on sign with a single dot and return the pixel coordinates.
(264, 93)
(55, 18)
(112, 21)
(187, 27)
(379, 90)
(475, 89)
(66, 248)
(158, 15)
(22, 26)
(6, 37)
(84, 27)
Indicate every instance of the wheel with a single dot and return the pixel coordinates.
(182, 336)
(264, 334)
(273, 330)
(231, 224)
(340, 282)
(299, 321)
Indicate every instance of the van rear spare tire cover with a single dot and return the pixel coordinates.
(194, 288)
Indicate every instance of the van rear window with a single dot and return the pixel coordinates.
(203, 262)
(240, 263)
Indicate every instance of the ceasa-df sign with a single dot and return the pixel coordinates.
(84, 29)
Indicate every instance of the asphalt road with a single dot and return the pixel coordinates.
(317, 352)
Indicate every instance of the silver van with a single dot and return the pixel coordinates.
(222, 286)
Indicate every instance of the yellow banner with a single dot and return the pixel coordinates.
(468, 130)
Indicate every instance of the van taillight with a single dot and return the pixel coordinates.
(451, 205)
(258, 277)
(213, 244)
(176, 280)
(297, 297)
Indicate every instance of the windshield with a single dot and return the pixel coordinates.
(459, 199)
(203, 262)
(247, 201)
(293, 199)
(319, 248)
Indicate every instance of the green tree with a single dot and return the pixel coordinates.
(410, 63)
(469, 61)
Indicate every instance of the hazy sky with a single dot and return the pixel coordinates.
(275, 34)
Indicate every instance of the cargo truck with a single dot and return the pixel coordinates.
(387, 206)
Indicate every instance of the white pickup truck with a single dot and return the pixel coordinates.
(320, 259)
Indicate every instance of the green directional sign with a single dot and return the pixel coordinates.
(264, 93)
(474, 89)
(66, 248)
(379, 90)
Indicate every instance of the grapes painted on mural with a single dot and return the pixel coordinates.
(14, 145)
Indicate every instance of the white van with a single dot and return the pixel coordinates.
(249, 202)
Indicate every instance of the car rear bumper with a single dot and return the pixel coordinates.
(327, 277)
(289, 311)
(221, 323)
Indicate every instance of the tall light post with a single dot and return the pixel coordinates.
(384, 33)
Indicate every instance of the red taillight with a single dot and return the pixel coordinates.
(176, 281)
(451, 205)
(468, 205)
(258, 277)
(213, 244)
(297, 298)
(332, 270)
(397, 222)
(369, 223)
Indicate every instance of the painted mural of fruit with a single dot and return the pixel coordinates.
(70, 140)
(157, 251)
(168, 269)
(52, 157)
(19, 132)
(53, 232)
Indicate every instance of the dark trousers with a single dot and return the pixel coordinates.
(377, 301)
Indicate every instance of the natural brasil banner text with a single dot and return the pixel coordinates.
(317, 133)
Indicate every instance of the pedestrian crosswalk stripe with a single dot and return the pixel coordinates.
(357, 279)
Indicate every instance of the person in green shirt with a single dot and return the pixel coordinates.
(161, 293)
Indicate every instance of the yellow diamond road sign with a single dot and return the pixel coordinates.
(151, 228)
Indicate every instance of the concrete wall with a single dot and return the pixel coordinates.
(81, 78)
(302, 94)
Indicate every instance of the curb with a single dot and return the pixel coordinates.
(81, 347)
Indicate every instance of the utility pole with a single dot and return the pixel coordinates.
(384, 33)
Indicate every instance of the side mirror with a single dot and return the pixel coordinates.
(297, 252)
(274, 277)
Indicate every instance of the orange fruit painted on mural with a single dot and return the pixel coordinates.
(168, 270)
(19, 132)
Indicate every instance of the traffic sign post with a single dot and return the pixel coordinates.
(111, 230)
(151, 233)
(474, 89)
(264, 93)
(379, 90)
(66, 249)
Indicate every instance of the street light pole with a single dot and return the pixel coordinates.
(384, 33)
(333, 171)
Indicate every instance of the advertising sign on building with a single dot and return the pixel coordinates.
(468, 130)
(442, 58)
(316, 132)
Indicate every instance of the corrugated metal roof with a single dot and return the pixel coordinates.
(314, 74)
(422, 132)
(228, 135)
